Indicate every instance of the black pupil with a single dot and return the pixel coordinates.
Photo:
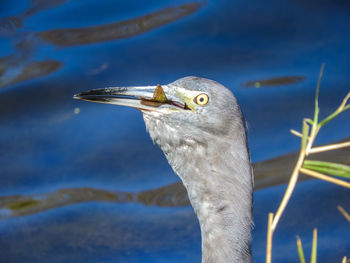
(201, 99)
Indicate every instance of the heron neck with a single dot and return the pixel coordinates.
(220, 190)
(225, 224)
(216, 171)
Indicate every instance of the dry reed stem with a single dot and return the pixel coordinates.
(306, 149)
(296, 133)
(325, 177)
(273, 220)
(329, 147)
(345, 100)
(344, 213)
(314, 247)
(269, 239)
(291, 185)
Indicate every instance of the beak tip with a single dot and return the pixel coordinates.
(76, 96)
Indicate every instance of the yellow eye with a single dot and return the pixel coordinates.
(201, 99)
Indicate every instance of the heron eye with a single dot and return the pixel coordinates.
(201, 99)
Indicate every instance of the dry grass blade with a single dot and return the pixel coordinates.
(269, 239)
(296, 133)
(294, 177)
(329, 147)
(325, 177)
(343, 105)
(344, 213)
(307, 139)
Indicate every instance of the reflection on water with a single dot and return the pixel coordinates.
(106, 232)
(118, 30)
(20, 71)
(279, 81)
(12, 23)
(24, 205)
(268, 173)
(19, 67)
(41, 5)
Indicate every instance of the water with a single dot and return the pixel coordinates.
(54, 149)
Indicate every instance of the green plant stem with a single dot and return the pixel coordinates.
(300, 250)
(335, 169)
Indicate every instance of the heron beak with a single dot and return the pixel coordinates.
(147, 98)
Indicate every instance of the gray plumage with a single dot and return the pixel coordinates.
(206, 147)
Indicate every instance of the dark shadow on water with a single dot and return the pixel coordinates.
(278, 81)
(25, 71)
(12, 23)
(267, 173)
(118, 30)
(20, 67)
(109, 232)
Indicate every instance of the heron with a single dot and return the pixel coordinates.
(199, 126)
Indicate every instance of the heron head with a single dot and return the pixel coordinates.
(198, 125)
(190, 107)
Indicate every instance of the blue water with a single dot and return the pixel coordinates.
(104, 232)
(50, 141)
